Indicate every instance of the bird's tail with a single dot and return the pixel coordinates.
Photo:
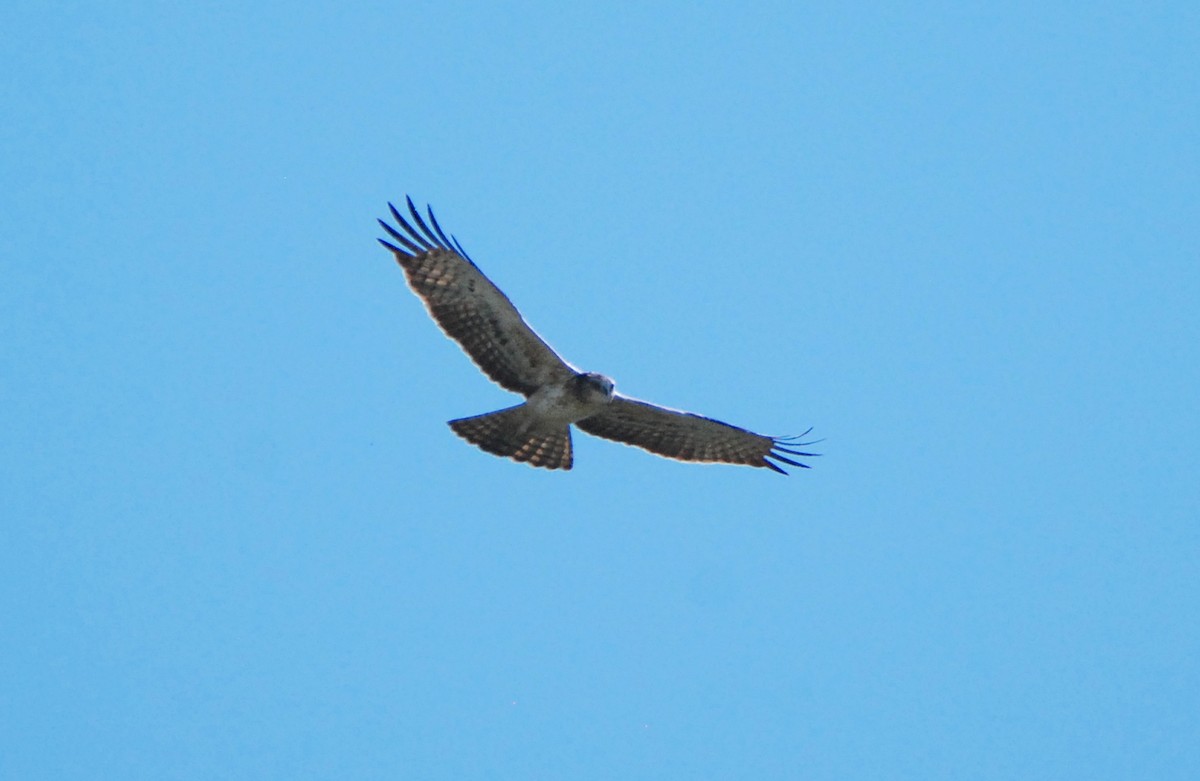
(511, 433)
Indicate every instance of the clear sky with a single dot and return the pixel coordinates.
(961, 242)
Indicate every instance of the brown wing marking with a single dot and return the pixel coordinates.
(504, 433)
(689, 437)
(469, 308)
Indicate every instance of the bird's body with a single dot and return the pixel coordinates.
(579, 397)
(538, 431)
(474, 312)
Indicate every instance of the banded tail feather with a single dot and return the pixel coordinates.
(513, 433)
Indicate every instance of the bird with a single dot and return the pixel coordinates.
(470, 309)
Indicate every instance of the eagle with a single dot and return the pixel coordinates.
(470, 309)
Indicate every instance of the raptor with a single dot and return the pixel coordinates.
(475, 313)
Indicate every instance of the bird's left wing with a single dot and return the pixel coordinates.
(470, 308)
(689, 437)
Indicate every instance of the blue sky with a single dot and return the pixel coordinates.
(960, 242)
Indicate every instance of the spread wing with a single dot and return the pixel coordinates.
(469, 308)
(689, 437)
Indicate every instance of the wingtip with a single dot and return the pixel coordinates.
(770, 465)
(783, 447)
(421, 236)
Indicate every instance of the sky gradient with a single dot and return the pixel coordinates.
(239, 540)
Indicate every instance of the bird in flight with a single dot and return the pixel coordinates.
(472, 311)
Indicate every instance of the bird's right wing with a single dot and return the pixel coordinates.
(470, 309)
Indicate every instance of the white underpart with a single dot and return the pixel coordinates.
(554, 406)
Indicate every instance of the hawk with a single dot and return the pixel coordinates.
(472, 311)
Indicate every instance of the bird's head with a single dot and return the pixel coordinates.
(595, 386)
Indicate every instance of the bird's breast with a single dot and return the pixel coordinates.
(556, 404)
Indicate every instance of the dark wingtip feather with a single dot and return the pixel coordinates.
(767, 463)
(395, 234)
(459, 247)
(441, 234)
(396, 214)
(412, 209)
(409, 229)
(791, 452)
(787, 460)
(788, 445)
(421, 238)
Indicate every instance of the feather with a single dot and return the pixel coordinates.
(470, 309)
(683, 435)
